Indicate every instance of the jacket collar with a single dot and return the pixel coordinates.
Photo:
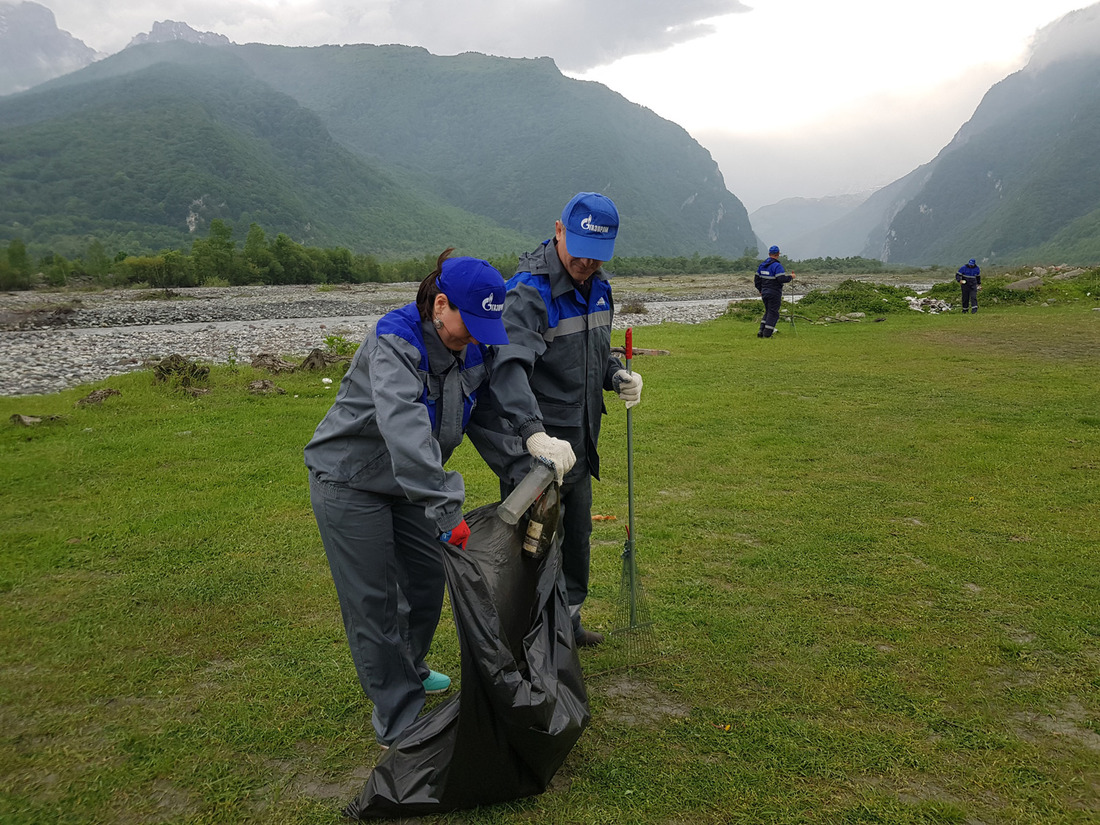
(440, 359)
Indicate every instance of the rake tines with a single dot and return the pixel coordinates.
(634, 625)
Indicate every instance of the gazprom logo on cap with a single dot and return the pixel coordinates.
(588, 225)
(489, 306)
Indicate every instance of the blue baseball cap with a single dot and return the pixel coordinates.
(773, 250)
(477, 289)
(591, 223)
(973, 262)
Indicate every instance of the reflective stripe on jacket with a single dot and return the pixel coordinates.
(770, 276)
(969, 273)
(553, 372)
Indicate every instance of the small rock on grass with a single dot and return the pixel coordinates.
(97, 396)
(265, 387)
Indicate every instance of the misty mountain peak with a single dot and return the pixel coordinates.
(33, 49)
(1076, 34)
(167, 31)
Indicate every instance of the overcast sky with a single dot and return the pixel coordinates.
(792, 97)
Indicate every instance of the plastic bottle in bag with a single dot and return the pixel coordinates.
(520, 500)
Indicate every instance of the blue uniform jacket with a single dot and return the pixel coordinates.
(969, 273)
(770, 277)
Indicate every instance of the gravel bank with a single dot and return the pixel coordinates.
(50, 341)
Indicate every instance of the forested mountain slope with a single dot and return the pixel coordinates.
(148, 158)
(386, 149)
(1023, 175)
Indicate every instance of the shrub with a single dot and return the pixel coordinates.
(339, 345)
(1085, 286)
(856, 296)
(994, 292)
(946, 291)
(743, 311)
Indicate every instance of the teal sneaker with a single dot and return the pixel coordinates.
(437, 683)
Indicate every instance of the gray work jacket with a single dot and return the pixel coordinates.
(394, 424)
(552, 373)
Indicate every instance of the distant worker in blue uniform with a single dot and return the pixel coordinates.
(769, 280)
(970, 277)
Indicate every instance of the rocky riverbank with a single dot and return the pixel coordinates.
(50, 341)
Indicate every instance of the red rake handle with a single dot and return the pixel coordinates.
(629, 561)
(629, 549)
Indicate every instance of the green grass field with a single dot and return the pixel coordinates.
(872, 551)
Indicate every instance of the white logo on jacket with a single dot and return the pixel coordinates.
(588, 226)
(489, 306)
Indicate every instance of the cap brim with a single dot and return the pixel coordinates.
(488, 331)
(584, 246)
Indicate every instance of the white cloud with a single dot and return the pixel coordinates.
(578, 34)
(801, 98)
(863, 145)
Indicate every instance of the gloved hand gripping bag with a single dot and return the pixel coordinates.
(522, 704)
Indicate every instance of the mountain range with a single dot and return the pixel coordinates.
(798, 223)
(1020, 181)
(388, 150)
(395, 151)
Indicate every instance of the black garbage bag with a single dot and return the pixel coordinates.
(522, 704)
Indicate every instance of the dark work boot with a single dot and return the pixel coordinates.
(588, 638)
(584, 638)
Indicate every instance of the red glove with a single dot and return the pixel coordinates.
(458, 536)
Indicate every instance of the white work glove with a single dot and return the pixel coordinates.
(554, 451)
(628, 385)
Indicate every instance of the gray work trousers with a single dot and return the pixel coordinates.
(387, 566)
(576, 544)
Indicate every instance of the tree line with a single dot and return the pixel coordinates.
(218, 260)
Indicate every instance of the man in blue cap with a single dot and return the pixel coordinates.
(548, 380)
(969, 277)
(769, 280)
